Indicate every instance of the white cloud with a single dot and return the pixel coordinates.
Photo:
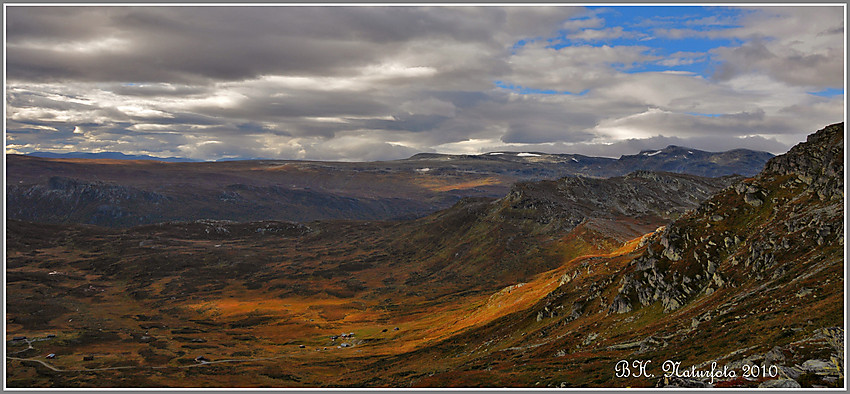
(683, 59)
(429, 106)
(573, 68)
(583, 23)
(796, 45)
(603, 34)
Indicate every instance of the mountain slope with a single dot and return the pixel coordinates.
(753, 277)
(515, 237)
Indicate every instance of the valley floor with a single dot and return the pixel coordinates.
(119, 329)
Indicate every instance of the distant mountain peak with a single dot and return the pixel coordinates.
(669, 149)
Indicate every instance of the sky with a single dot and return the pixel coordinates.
(382, 83)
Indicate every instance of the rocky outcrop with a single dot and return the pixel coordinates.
(67, 200)
(754, 229)
(569, 201)
(818, 163)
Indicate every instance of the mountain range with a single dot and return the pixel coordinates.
(105, 155)
(123, 193)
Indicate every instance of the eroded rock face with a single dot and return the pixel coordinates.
(818, 163)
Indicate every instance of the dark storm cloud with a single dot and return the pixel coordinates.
(413, 123)
(819, 70)
(164, 44)
(50, 23)
(182, 118)
(193, 44)
(538, 123)
(157, 90)
(535, 133)
(462, 99)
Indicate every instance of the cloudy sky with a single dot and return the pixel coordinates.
(374, 83)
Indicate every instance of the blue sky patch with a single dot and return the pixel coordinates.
(668, 32)
(525, 90)
(704, 115)
(831, 92)
(680, 37)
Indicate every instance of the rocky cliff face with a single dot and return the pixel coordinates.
(818, 163)
(762, 227)
(569, 201)
(63, 200)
